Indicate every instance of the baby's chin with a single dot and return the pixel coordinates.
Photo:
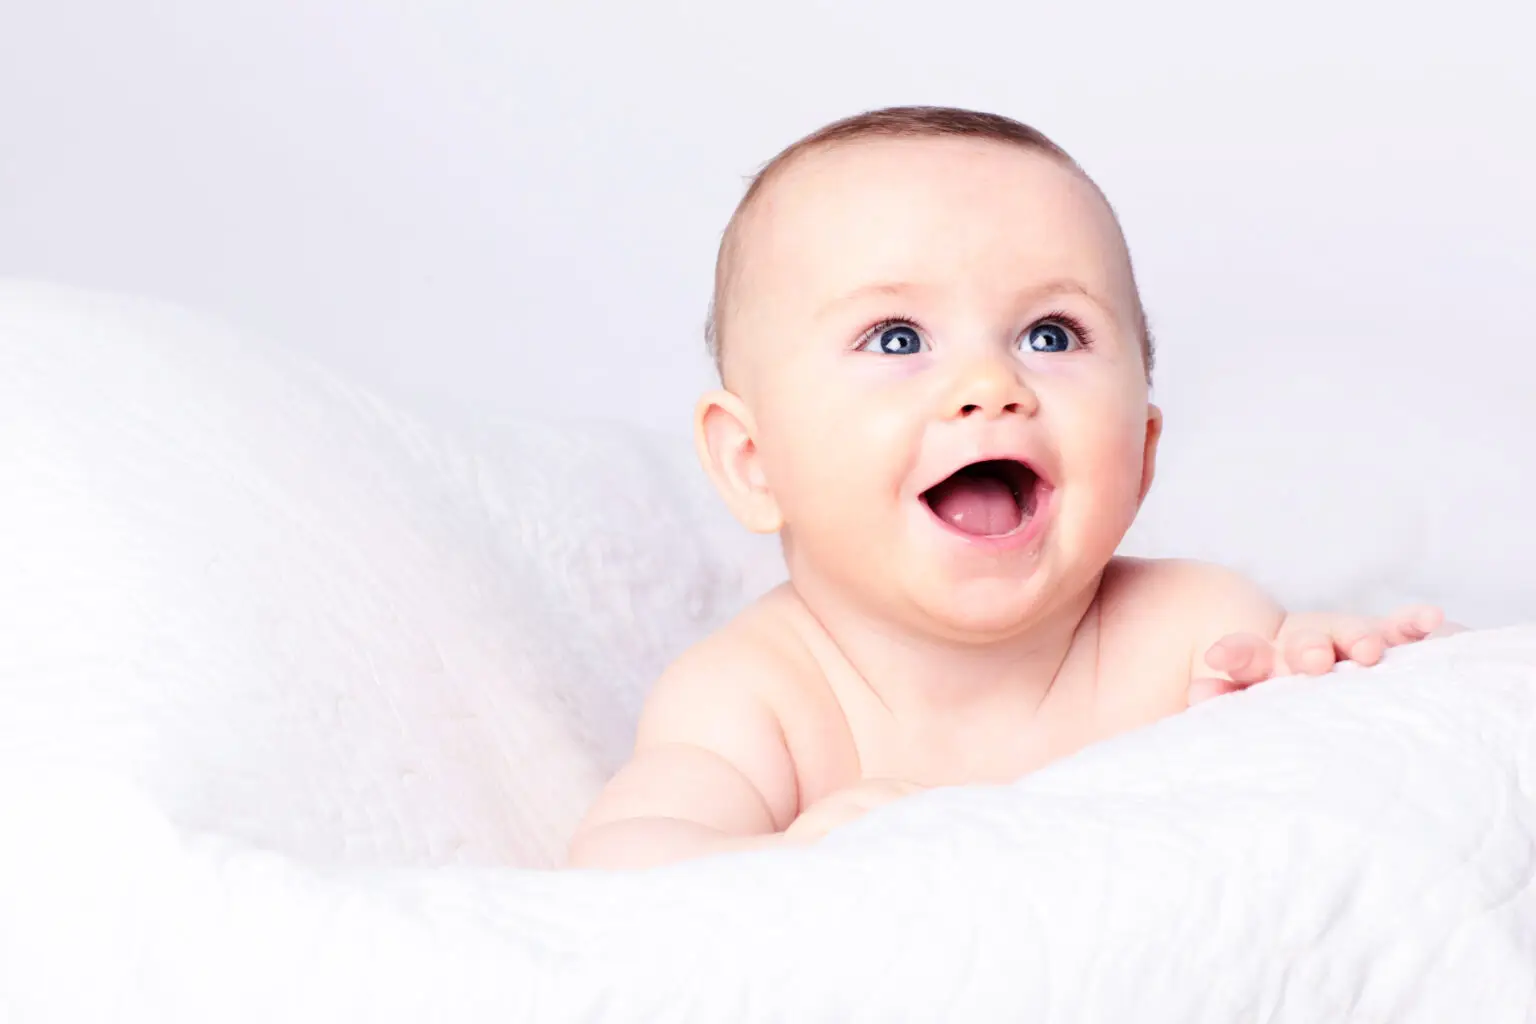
(980, 610)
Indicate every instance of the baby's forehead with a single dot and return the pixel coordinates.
(885, 207)
(885, 167)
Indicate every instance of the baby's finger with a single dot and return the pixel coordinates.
(1358, 639)
(1245, 657)
(1309, 651)
(1412, 624)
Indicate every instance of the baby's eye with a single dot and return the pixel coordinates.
(894, 340)
(1051, 336)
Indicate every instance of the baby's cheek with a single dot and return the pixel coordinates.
(1110, 444)
(817, 475)
(1106, 459)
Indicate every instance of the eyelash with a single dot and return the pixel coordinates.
(1067, 320)
(884, 325)
(1071, 323)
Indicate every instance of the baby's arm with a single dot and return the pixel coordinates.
(710, 773)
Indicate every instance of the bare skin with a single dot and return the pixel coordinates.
(767, 734)
(911, 312)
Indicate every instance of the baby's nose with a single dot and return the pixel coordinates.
(989, 389)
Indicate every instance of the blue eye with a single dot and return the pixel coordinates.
(1051, 336)
(894, 340)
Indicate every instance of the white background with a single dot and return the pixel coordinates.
(488, 210)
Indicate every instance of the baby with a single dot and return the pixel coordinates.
(935, 371)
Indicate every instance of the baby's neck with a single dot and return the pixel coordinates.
(919, 676)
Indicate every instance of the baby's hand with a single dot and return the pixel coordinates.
(1311, 645)
(845, 805)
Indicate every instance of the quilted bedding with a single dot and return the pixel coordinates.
(297, 699)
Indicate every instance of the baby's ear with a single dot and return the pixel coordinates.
(1149, 453)
(723, 431)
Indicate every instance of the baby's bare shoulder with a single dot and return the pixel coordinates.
(744, 694)
(1179, 607)
(759, 655)
(1175, 587)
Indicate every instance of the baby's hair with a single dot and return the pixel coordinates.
(890, 122)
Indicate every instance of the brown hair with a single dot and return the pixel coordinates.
(890, 122)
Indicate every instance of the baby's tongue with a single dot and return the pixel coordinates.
(980, 505)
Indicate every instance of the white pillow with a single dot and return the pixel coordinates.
(1359, 847)
(300, 619)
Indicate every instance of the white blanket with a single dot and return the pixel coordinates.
(286, 683)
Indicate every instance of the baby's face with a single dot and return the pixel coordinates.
(939, 344)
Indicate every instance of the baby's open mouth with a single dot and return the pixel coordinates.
(986, 499)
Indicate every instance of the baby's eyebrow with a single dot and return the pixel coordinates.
(899, 289)
(1069, 286)
(878, 289)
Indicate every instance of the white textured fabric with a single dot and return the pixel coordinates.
(286, 681)
(295, 617)
(1357, 849)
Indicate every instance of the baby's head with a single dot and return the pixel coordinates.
(935, 371)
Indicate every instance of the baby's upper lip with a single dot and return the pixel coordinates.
(991, 455)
